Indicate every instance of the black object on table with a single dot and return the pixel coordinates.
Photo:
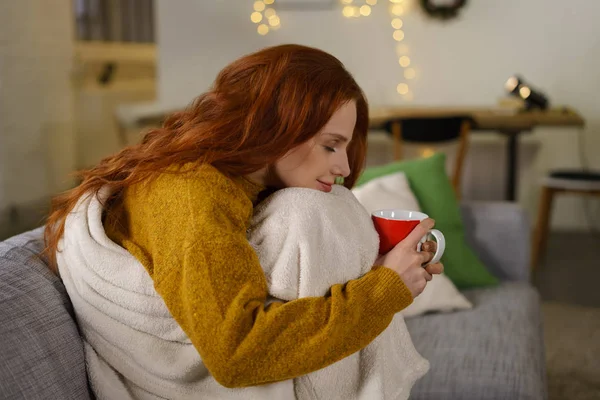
(512, 152)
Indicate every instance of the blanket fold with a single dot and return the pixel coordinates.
(308, 241)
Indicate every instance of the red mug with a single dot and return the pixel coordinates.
(394, 225)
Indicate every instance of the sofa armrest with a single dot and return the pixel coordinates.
(499, 233)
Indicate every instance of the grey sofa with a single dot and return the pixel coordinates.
(494, 351)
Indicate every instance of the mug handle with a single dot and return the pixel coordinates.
(441, 245)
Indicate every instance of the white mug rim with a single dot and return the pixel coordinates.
(408, 215)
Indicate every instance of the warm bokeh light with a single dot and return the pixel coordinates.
(270, 12)
(402, 88)
(410, 73)
(268, 1)
(274, 21)
(397, 10)
(397, 23)
(256, 17)
(371, 2)
(398, 35)
(348, 11)
(404, 61)
(262, 29)
(365, 11)
(259, 6)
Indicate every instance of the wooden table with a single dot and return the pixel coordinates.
(505, 121)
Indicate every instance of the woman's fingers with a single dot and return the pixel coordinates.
(429, 246)
(435, 269)
(427, 276)
(415, 236)
(425, 256)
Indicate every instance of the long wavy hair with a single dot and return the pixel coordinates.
(260, 107)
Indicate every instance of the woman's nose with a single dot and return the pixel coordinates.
(342, 167)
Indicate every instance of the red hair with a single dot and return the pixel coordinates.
(260, 107)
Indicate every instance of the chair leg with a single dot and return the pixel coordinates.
(542, 225)
(397, 135)
(463, 146)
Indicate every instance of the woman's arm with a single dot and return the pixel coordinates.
(218, 297)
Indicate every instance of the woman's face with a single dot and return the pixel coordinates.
(316, 163)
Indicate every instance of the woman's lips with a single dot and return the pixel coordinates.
(325, 187)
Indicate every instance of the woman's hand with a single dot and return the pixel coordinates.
(436, 268)
(407, 262)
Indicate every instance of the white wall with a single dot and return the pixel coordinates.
(553, 43)
(36, 102)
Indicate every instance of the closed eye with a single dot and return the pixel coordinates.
(330, 149)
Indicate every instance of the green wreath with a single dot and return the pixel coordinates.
(444, 12)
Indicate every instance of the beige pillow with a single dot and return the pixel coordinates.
(393, 191)
(389, 191)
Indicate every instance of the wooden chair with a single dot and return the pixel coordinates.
(434, 130)
(559, 182)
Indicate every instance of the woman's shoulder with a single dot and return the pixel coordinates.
(195, 181)
(188, 198)
(190, 186)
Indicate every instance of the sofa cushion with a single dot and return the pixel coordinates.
(494, 351)
(42, 353)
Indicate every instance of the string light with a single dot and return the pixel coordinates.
(263, 29)
(348, 11)
(365, 10)
(397, 9)
(270, 13)
(256, 17)
(354, 11)
(402, 88)
(274, 21)
(268, 16)
(398, 35)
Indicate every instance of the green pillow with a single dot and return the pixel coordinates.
(434, 192)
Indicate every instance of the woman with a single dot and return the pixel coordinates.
(180, 203)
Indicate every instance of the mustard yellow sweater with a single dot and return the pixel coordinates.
(189, 232)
